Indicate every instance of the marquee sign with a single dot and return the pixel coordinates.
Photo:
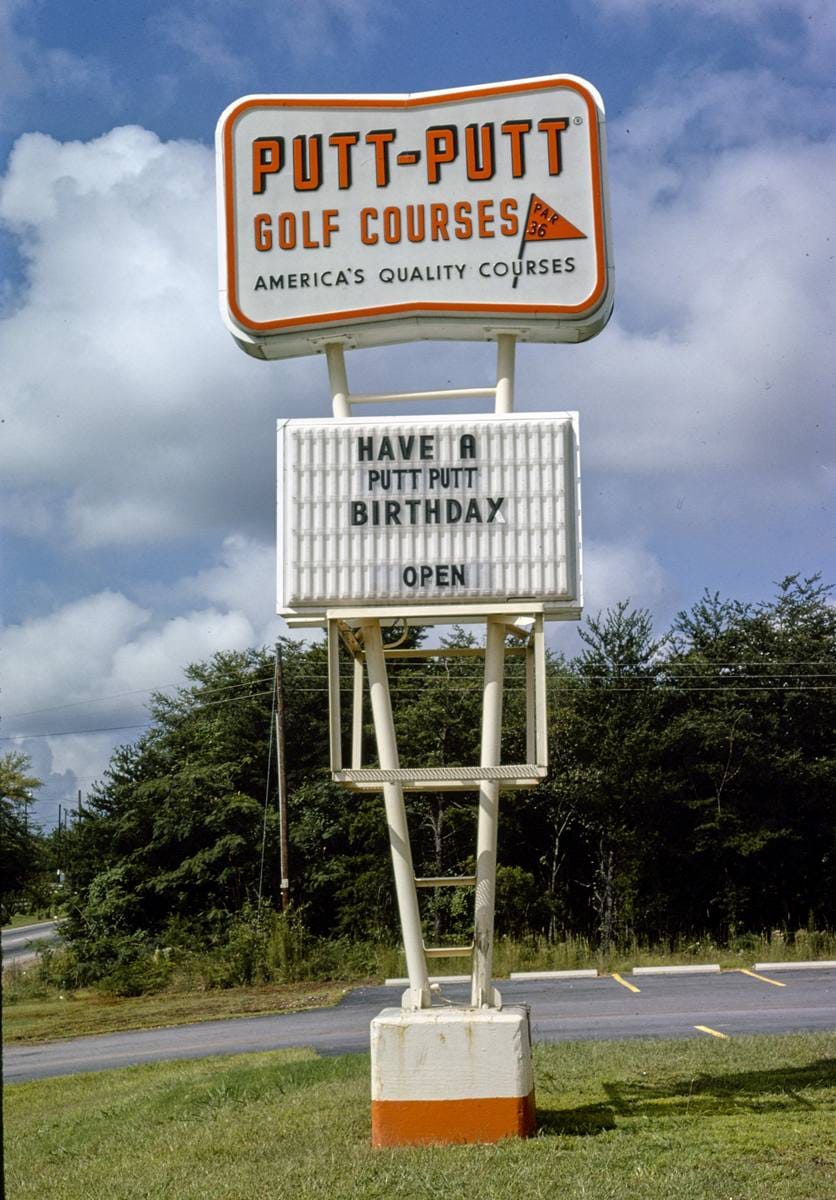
(411, 511)
(388, 218)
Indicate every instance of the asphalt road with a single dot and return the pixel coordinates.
(728, 1004)
(19, 944)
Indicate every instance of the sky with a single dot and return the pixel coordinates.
(136, 439)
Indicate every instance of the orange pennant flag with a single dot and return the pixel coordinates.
(545, 224)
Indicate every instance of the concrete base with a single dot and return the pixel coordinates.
(448, 1075)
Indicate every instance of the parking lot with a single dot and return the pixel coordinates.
(719, 1005)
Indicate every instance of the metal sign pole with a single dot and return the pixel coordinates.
(483, 994)
(338, 378)
(506, 345)
(418, 994)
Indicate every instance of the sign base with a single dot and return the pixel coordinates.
(451, 1075)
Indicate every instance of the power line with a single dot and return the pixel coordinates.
(566, 687)
(120, 695)
(28, 737)
(709, 668)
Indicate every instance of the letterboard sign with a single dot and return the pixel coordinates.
(405, 511)
(388, 218)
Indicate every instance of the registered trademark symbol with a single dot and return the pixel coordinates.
(578, 120)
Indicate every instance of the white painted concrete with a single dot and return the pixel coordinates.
(579, 974)
(693, 969)
(451, 1054)
(820, 965)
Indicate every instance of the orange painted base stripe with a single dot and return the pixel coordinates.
(445, 1122)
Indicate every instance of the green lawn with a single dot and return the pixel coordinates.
(747, 1119)
(19, 920)
(77, 1014)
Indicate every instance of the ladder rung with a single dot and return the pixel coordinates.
(432, 785)
(532, 771)
(448, 951)
(433, 881)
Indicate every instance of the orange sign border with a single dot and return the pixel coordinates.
(419, 100)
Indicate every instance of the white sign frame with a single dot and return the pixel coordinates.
(425, 537)
(548, 180)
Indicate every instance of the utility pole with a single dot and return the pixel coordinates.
(281, 774)
(59, 845)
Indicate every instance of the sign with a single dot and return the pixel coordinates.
(408, 511)
(390, 218)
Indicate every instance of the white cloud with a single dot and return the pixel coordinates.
(66, 656)
(789, 29)
(162, 653)
(28, 66)
(105, 649)
(137, 407)
(313, 31)
(613, 573)
(325, 27)
(244, 580)
(88, 668)
(193, 33)
(161, 429)
(713, 381)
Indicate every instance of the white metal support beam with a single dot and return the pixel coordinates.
(506, 344)
(540, 696)
(502, 393)
(483, 993)
(335, 356)
(357, 717)
(418, 994)
(334, 706)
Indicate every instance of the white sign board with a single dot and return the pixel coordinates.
(389, 218)
(411, 512)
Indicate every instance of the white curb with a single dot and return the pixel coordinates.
(695, 969)
(819, 965)
(585, 974)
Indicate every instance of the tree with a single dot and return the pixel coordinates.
(690, 792)
(609, 762)
(171, 839)
(21, 858)
(750, 736)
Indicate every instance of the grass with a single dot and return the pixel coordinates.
(748, 1119)
(77, 1014)
(19, 920)
(578, 952)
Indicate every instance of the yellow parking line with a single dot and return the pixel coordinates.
(632, 987)
(714, 1032)
(762, 978)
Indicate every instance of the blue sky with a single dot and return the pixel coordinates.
(136, 447)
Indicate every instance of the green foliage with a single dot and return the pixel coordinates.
(22, 859)
(171, 836)
(690, 795)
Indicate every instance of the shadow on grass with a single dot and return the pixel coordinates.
(584, 1121)
(698, 1096)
